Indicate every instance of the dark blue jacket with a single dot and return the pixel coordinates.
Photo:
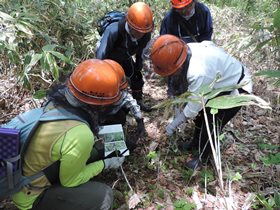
(117, 45)
(199, 25)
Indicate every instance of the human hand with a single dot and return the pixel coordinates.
(113, 163)
(140, 127)
(171, 127)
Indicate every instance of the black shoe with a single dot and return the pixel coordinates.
(194, 163)
(185, 146)
(144, 107)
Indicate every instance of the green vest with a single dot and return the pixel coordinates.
(38, 153)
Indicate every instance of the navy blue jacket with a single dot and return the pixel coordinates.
(117, 45)
(199, 25)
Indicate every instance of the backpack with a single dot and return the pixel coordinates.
(107, 19)
(14, 139)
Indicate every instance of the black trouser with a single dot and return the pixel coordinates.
(136, 81)
(88, 196)
(200, 137)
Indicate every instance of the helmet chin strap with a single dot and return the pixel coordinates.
(72, 99)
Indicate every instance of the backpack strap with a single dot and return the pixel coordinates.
(121, 31)
(179, 22)
(9, 169)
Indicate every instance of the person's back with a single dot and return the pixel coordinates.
(117, 44)
(209, 61)
(57, 140)
(125, 40)
(189, 20)
(92, 84)
(198, 64)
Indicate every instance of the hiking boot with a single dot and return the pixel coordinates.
(193, 164)
(185, 146)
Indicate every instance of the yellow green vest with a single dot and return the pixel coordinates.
(38, 154)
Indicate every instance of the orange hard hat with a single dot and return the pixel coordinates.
(120, 72)
(140, 17)
(180, 3)
(95, 82)
(168, 54)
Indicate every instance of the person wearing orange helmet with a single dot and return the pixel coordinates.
(92, 85)
(189, 20)
(123, 40)
(127, 103)
(193, 66)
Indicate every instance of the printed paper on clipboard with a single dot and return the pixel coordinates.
(114, 140)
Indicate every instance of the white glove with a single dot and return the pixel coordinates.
(171, 127)
(113, 163)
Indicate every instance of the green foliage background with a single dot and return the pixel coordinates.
(42, 40)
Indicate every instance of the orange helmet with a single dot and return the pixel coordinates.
(95, 82)
(168, 54)
(180, 3)
(140, 17)
(119, 70)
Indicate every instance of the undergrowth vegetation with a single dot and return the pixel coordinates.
(41, 41)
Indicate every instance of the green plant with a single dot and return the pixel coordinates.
(183, 204)
(253, 166)
(271, 159)
(237, 177)
(269, 203)
(207, 176)
(161, 193)
(152, 155)
(273, 75)
(189, 191)
(187, 174)
(215, 102)
(268, 146)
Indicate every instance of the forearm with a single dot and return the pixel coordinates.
(73, 150)
(87, 172)
(133, 107)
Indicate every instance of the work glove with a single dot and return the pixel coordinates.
(140, 127)
(171, 127)
(113, 163)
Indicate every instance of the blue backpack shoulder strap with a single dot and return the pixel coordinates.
(53, 113)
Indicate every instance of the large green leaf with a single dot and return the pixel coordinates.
(269, 73)
(276, 19)
(34, 60)
(61, 57)
(49, 47)
(44, 61)
(53, 66)
(277, 199)
(24, 29)
(5, 16)
(217, 91)
(40, 94)
(230, 101)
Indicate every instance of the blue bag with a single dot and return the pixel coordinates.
(107, 19)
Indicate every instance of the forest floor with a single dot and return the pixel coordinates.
(155, 169)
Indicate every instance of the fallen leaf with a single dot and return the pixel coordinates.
(133, 201)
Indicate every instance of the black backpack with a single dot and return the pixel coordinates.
(108, 18)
